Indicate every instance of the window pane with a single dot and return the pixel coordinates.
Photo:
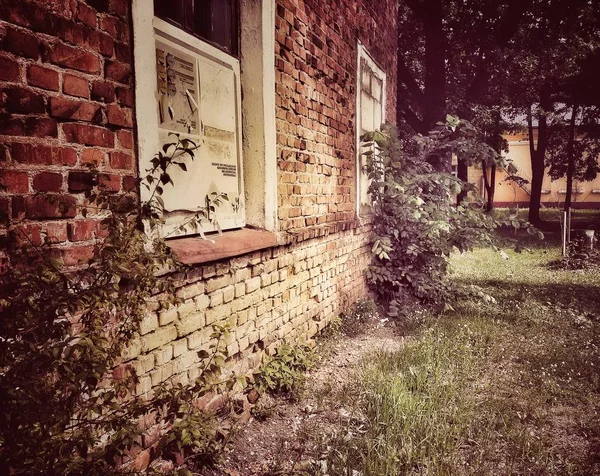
(212, 20)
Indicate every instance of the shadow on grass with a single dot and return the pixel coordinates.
(580, 297)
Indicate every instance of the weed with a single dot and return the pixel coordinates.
(354, 319)
(283, 373)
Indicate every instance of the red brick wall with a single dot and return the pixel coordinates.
(316, 68)
(66, 101)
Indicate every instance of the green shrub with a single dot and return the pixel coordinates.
(68, 403)
(417, 224)
(284, 373)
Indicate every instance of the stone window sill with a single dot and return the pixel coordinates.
(195, 250)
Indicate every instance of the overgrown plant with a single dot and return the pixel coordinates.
(283, 373)
(417, 225)
(68, 400)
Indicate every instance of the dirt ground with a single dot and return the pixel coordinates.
(283, 434)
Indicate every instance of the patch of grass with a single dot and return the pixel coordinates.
(506, 388)
(413, 405)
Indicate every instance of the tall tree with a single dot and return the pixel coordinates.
(574, 146)
(546, 54)
(446, 49)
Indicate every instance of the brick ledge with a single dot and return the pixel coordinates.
(195, 250)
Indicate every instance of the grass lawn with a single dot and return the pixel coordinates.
(505, 388)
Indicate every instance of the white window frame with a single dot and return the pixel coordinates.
(364, 55)
(257, 77)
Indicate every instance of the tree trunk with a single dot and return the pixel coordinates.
(490, 186)
(570, 159)
(435, 63)
(538, 155)
(462, 172)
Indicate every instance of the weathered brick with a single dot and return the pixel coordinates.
(148, 324)
(21, 43)
(125, 139)
(130, 183)
(87, 15)
(240, 289)
(76, 86)
(48, 182)
(107, 44)
(190, 291)
(108, 24)
(13, 181)
(50, 206)
(43, 77)
(75, 110)
(163, 355)
(89, 135)
(119, 116)
(202, 302)
(199, 338)
(103, 91)
(72, 57)
(56, 232)
(80, 181)
(118, 8)
(28, 234)
(142, 460)
(167, 316)
(218, 314)
(125, 96)
(252, 284)
(92, 157)
(162, 336)
(43, 155)
(39, 127)
(217, 283)
(180, 347)
(228, 294)
(81, 230)
(120, 160)
(216, 298)
(77, 255)
(110, 182)
(21, 101)
(123, 52)
(9, 69)
(145, 363)
(117, 71)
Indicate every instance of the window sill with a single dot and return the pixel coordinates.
(195, 250)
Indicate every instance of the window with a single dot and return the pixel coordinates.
(189, 81)
(215, 21)
(370, 98)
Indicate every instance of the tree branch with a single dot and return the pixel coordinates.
(507, 28)
(412, 119)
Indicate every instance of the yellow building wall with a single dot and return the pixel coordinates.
(553, 191)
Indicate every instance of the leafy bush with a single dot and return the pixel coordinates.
(284, 372)
(68, 404)
(417, 224)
